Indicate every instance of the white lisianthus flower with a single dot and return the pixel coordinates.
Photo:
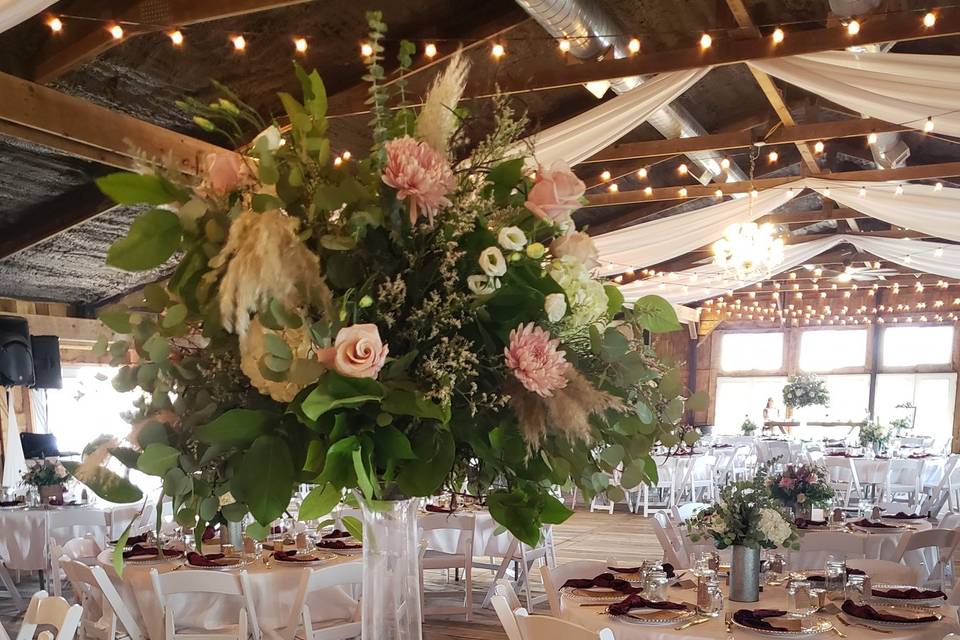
(273, 137)
(481, 285)
(556, 306)
(801, 498)
(512, 238)
(773, 527)
(492, 262)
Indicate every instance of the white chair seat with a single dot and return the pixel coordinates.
(433, 559)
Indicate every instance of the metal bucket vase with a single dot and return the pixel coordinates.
(745, 574)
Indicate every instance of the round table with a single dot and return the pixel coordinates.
(771, 598)
(487, 540)
(274, 590)
(25, 532)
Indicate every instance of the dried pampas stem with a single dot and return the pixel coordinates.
(437, 121)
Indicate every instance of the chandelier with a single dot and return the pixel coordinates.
(748, 250)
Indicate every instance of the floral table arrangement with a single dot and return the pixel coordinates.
(805, 390)
(746, 517)
(48, 477)
(873, 436)
(421, 319)
(749, 427)
(801, 488)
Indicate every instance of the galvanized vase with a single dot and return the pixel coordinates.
(745, 574)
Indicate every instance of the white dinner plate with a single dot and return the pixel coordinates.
(899, 609)
(929, 602)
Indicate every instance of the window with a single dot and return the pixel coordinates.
(738, 398)
(849, 400)
(910, 346)
(826, 350)
(933, 394)
(751, 351)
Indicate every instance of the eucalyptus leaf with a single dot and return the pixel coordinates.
(153, 237)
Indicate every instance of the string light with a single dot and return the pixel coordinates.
(818, 146)
(863, 192)
(682, 192)
(176, 37)
(55, 24)
(337, 161)
(705, 41)
(777, 35)
(899, 190)
(605, 176)
(642, 173)
(725, 163)
(853, 27)
(497, 51)
(928, 125)
(634, 45)
(682, 169)
(240, 43)
(564, 45)
(773, 157)
(430, 50)
(346, 155)
(718, 193)
(648, 191)
(613, 188)
(938, 186)
(929, 19)
(872, 138)
(754, 194)
(116, 31)
(366, 50)
(938, 252)
(826, 192)
(300, 44)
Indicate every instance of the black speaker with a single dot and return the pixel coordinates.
(16, 358)
(46, 362)
(39, 445)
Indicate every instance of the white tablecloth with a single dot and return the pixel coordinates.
(772, 597)
(274, 590)
(486, 541)
(24, 534)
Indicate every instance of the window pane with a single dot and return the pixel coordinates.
(907, 346)
(738, 398)
(826, 350)
(932, 393)
(751, 351)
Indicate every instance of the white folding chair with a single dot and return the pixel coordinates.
(885, 571)
(50, 611)
(102, 605)
(942, 493)
(199, 581)
(701, 479)
(7, 581)
(687, 510)
(815, 546)
(549, 628)
(950, 521)
(669, 539)
(5, 636)
(841, 476)
(340, 575)
(554, 578)
(671, 475)
(505, 614)
(460, 558)
(84, 550)
(904, 477)
(931, 550)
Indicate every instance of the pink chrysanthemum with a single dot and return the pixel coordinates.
(535, 361)
(420, 174)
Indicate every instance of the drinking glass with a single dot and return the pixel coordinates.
(710, 597)
(655, 587)
(800, 602)
(835, 573)
(864, 507)
(855, 588)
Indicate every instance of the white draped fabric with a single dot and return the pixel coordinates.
(902, 88)
(39, 406)
(659, 240)
(707, 281)
(14, 464)
(13, 12)
(582, 136)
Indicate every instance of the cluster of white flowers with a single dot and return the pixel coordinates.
(805, 391)
(773, 526)
(588, 300)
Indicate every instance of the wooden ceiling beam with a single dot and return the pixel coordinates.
(81, 43)
(916, 172)
(79, 127)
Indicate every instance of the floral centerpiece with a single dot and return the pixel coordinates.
(873, 435)
(420, 319)
(746, 517)
(749, 427)
(805, 390)
(801, 488)
(48, 477)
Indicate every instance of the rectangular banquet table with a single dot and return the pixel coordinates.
(24, 535)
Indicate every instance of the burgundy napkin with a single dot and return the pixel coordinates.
(909, 594)
(905, 516)
(209, 533)
(639, 602)
(603, 581)
(917, 456)
(201, 560)
(722, 446)
(276, 529)
(863, 522)
(432, 508)
(624, 569)
(866, 612)
(291, 556)
(803, 523)
(11, 503)
(132, 540)
(139, 551)
(338, 544)
(337, 533)
(755, 618)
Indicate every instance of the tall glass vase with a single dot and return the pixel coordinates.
(391, 571)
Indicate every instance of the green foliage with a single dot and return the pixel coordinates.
(154, 236)
(135, 188)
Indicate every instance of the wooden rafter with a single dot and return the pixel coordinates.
(742, 16)
(83, 43)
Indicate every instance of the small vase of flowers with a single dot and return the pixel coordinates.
(49, 478)
(749, 427)
(801, 488)
(873, 436)
(805, 390)
(747, 517)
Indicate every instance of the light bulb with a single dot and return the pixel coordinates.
(605, 176)
(346, 155)
(564, 45)
(853, 27)
(300, 44)
(613, 188)
(777, 35)
(826, 192)
(682, 169)
(337, 161)
(773, 157)
(899, 190)
(790, 193)
(872, 138)
(754, 194)
(938, 252)
(642, 173)
(176, 37)
(648, 191)
(818, 146)
(634, 45)
(863, 192)
(116, 31)
(718, 193)
(497, 51)
(725, 163)
(682, 192)
(239, 42)
(366, 50)
(938, 186)
(929, 19)
(430, 50)
(928, 125)
(705, 41)
(55, 24)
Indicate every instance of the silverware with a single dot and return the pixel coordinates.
(862, 626)
(692, 623)
(839, 633)
(728, 618)
(594, 604)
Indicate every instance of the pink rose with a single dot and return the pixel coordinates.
(555, 195)
(578, 246)
(357, 352)
(535, 361)
(225, 172)
(787, 483)
(420, 174)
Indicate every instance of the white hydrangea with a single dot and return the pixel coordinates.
(588, 300)
(773, 527)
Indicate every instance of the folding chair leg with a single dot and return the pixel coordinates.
(8, 582)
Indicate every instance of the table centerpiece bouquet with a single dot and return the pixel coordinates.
(49, 477)
(420, 319)
(874, 436)
(747, 517)
(748, 427)
(801, 488)
(805, 390)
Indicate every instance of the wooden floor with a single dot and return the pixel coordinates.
(584, 536)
